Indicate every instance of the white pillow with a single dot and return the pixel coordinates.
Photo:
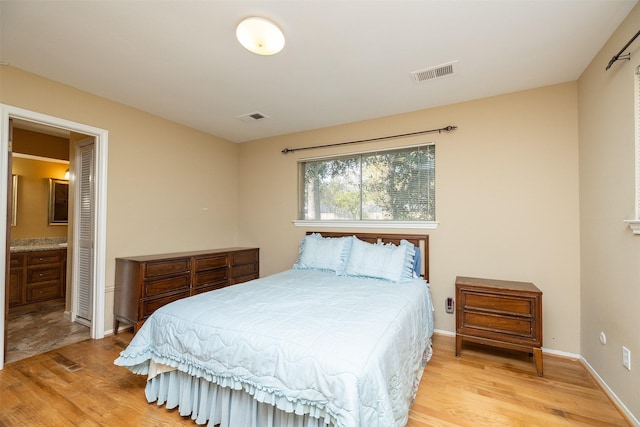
(324, 253)
(387, 262)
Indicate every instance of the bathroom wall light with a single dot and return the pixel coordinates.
(66, 175)
(260, 36)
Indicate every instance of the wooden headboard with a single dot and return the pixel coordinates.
(421, 241)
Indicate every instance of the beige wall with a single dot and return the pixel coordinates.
(610, 252)
(33, 198)
(507, 196)
(170, 188)
(39, 144)
(33, 182)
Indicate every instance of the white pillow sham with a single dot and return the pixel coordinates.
(324, 253)
(381, 261)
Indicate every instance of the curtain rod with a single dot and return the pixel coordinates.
(444, 129)
(618, 56)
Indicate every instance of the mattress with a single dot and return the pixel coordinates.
(345, 350)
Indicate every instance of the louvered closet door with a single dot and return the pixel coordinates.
(85, 229)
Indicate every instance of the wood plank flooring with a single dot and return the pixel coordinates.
(78, 385)
(495, 387)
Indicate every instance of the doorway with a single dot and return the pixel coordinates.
(39, 316)
(98, 214)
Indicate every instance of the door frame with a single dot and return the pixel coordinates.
(99, 274)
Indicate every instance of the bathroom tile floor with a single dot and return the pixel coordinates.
(40, 329)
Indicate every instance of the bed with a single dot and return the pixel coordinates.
(340, 339)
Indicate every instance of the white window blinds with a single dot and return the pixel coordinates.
(392, 185)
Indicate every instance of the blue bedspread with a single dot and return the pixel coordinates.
(305, 341)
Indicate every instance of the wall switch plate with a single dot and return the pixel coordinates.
(448, 304)
(626, 357)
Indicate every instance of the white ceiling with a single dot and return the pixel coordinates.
(344, 61)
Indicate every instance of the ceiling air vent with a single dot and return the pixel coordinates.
(252, 117)
(434, 72)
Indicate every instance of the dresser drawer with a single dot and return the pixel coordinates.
(162, 286)
(209, 277)
(151, 305)
(244, 270)
(167, 267)
(209, 263)
(43, 274)
(210, 287)
(244, 257)
(498, 303)
(45, 257)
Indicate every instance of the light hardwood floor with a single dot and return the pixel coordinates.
(78, 385)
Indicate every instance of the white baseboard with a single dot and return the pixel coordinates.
(614, 398)
(616, 401)
(120, 328)
(559, 353)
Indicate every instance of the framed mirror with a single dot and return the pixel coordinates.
(58, 202)
(14, 200)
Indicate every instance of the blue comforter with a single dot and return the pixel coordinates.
(348, 349)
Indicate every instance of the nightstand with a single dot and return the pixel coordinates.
(499, 313)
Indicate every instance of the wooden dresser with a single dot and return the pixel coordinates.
(36, 276)
(145, 283)
(499, 313)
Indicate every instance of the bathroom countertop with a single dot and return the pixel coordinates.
(37, 244)
(34, 248)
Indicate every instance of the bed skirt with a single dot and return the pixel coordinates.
(209, 403)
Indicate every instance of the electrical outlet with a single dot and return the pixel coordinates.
(626, 357)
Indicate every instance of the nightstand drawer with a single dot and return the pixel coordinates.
(498, 303)
(496, 324)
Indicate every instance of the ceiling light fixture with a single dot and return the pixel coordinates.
(260, 36)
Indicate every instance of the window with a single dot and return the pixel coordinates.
(637, 136)
(634, 224)
(392, 186)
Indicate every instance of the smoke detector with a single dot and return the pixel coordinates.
(434, 72)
